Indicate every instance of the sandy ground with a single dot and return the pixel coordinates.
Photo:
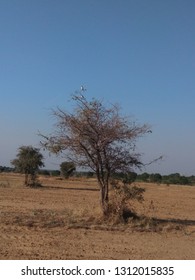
(62, 221)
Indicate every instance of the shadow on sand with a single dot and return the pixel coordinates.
(175, 221)
(70, 189)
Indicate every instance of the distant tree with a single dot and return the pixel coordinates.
(127, 178)
(192, 179)
(54, 173)
(143, 177)
(6, 169)
(28, 161)
(130, 177)
(184, 180)
(90, 174)
(155, 178)
(174, 178)
(67, 168)
(43, 172)
(98, 138)
(177, 179)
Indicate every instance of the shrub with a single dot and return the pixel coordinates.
(120, 207)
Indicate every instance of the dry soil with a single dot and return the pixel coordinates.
(62, 220)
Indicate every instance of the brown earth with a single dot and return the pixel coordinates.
(62, 220)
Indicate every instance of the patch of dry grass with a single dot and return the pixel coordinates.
(4, 184)
(74, 204)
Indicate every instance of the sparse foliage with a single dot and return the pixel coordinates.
(98, 138)
(28, 161)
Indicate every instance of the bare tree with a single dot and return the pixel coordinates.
(98, 138)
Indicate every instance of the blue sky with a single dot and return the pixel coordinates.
(138, 53)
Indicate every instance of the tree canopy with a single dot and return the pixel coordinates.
(67, 168)
(98, 138)
(27, 161)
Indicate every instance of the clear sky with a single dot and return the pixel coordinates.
(138, 53)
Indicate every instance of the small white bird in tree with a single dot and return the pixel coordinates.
(79, 93)
(83, 88)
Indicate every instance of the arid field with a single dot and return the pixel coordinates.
(62, 220)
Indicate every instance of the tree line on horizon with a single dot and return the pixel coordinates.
(68, 169)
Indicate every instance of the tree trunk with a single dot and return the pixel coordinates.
(104, 199)
(103, 180)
